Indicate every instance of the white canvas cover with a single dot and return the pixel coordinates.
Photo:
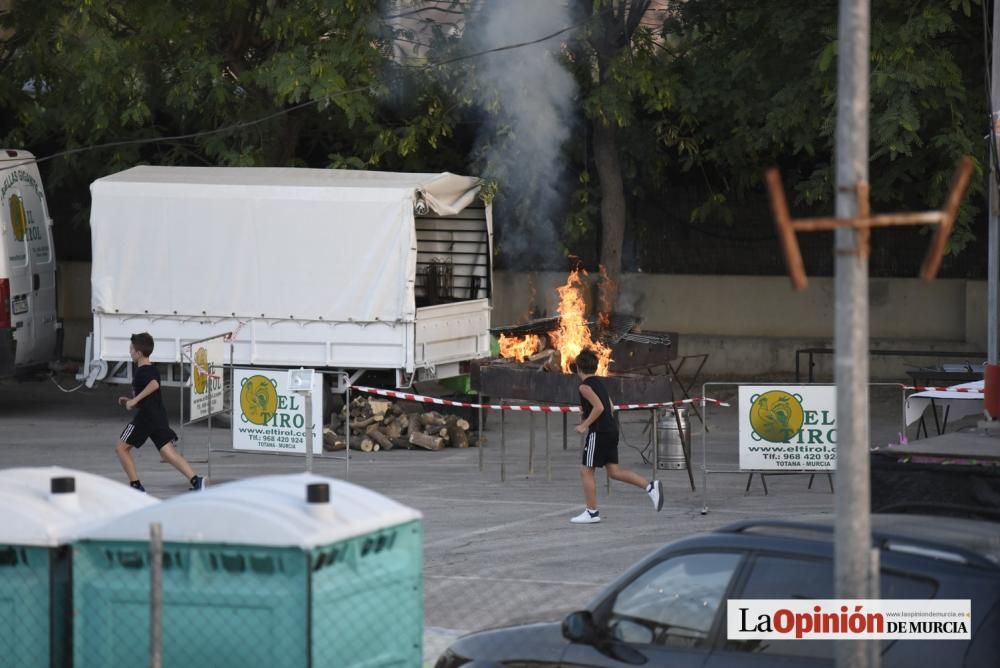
(266, 510)
(307, 244)
(31, 515)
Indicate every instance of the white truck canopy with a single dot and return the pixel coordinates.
(262, 243)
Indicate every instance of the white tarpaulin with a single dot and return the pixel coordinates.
(309, 244)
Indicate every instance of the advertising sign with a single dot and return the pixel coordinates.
(790, 428)
(207, 359)
(269, 417)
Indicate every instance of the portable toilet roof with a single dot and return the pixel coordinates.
(41, 513)
(267, 510)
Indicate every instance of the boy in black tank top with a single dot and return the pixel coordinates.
(600, 446)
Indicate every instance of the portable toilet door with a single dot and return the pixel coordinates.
(28, 320)
(283, 571)
(41, 509)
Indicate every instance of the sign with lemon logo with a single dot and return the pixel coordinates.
(269, 417)
(205, 361)
(792, 428)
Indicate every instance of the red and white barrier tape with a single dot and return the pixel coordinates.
(936, 388)
(529, 409)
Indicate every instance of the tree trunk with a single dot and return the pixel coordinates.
(609, 174)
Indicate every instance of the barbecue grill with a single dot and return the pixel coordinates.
(632, 350)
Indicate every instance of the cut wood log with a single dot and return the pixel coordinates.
(367, 445)
(402, 442)
(393, 428)
(364, 424)
(457, 437)
(426, 441)
(431, 419)
(333, 442)
(395, 409)
(379, 406)
(413, 424)
(463, 424)
(335, 422)
(384, 442)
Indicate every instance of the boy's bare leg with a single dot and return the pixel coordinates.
(589, 487)
(170, 455)
(124, 452)
(624, 475)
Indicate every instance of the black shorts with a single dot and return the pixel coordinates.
(137, 431)
(600, 448)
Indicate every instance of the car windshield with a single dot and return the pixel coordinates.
(675, 601)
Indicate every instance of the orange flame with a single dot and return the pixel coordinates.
(605, 291)
(573, 335)
(518, 348)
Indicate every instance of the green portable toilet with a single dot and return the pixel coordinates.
(42, 510)
(278, 571)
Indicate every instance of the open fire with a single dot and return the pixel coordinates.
(572, 335)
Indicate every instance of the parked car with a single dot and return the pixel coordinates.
(669, 609)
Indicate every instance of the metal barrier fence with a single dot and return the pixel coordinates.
(706, 465)
(342, 386)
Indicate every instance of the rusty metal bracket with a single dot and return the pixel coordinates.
(787, 227)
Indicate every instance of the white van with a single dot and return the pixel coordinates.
(28, 324)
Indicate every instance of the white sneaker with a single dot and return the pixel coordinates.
(656, 495)
(587, 517)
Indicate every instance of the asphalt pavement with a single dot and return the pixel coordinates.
(493, 550)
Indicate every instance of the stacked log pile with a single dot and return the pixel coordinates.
(380, 424)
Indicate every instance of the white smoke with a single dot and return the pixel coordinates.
(522, 145)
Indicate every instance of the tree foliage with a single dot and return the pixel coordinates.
(103, 71)
(757, 86)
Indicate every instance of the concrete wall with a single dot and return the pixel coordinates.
(750, 326)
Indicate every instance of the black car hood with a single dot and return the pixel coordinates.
(529, 642)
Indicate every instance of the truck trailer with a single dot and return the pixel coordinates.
(329, 269)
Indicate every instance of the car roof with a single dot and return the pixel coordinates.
(956, 539)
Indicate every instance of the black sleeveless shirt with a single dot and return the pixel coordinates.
(606, 422)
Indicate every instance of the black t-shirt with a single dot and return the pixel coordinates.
(606, 422)
(151, 409)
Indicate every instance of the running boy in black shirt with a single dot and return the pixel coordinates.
(601, 444)
(150, 422)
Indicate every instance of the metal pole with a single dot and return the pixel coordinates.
(309, 430)
(482, 440)
(852, 524)
(347, 431)
(656, 442)
(210, 390)
(155, 595)
(548, 454)
(704, 453)
(503, 445)
(993, 244)
(531, 443)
